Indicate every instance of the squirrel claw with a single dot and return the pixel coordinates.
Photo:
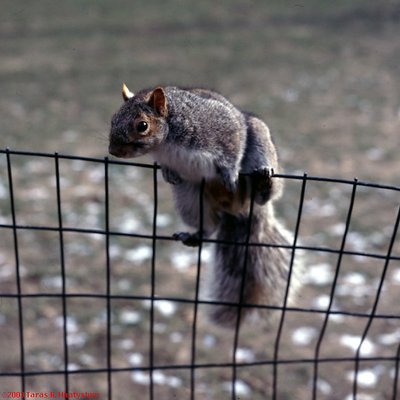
(188, 239)
(263, 184)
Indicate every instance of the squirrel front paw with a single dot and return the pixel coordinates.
(188, 239)
(263, 184)
(170, 176)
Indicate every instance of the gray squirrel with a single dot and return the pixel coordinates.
(208, 147)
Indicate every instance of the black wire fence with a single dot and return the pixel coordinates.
(98, 300)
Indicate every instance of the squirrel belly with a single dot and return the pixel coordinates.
(191, 165)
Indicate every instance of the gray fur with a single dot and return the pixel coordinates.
(201, 135)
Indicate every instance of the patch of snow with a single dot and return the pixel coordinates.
(54, 282)
(389, 338)
(73, 367)
(6, 271)
(159, 378)
(182, 260)
(396, 276)
(129, 224)
(163, 220)
(135, 359)
(304, 336)
(241, 388)
(360, 396)
(353, 342)
(124, 284)
(210, 341)
(319, 274)
(126, 344)
(77, 339)
(130, 317)
(324, 387)
(139, 254)
(354, 278)
(165, 307)
(244, 355)
(365, 378)
(321, 302)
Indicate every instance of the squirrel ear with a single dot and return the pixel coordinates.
(158, 101)
(126, 93)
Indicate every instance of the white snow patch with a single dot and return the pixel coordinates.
(182, 260)
(130, 317)
(365, 378)
(140, 254)
(159, 378)
(357, 241)
(324, 387)
(165, 307)
(319, 274)
(124, 284)
(354, 278)
(244, 355)
(396, 276)
(129, 224)
(304, 336)
(353, 342)
(54, 282)
(360, 396)
(163, 220)
(135, 359)
(210, 341)
(77, 339)
(6, 271)
(126, 344)
(73, 367)
(72, 324)
(321, 302)
(389, 338)
(241, 388)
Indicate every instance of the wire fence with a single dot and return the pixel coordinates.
(201, 373)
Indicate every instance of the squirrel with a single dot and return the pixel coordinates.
(208, 147)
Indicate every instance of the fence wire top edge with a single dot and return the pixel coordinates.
(149, 165)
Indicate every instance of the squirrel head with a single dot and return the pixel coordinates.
(140, 125)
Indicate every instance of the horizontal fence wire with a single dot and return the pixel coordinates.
(276, 362)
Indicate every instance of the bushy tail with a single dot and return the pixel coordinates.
(264, 268)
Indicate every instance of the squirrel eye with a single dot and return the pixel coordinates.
(142, 126)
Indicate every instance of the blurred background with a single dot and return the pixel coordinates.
(325, 78)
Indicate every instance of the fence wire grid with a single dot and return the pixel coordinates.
(67, 244)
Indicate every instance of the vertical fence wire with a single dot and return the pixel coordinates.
(197, 292)
(375, 305)
(108, 275)
(249, 221)
(292, 257)
(333, 289)
(63, 278)
(153, 282)
(396, 373)
(17, 270)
